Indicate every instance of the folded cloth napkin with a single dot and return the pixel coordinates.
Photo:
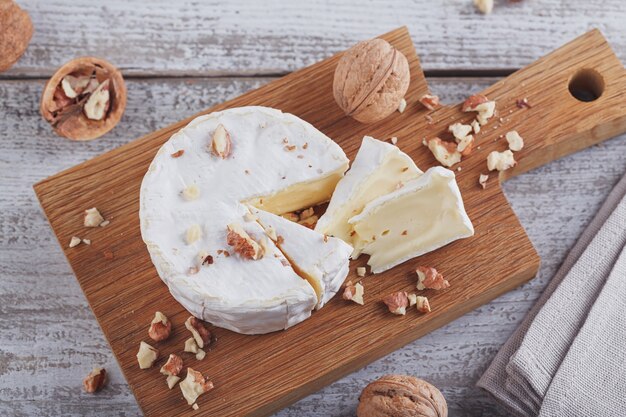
(533, 369)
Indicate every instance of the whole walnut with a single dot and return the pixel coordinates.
(371, 79)
(16, 29)
(401, 396)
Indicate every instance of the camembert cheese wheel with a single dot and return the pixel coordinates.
(195, 201)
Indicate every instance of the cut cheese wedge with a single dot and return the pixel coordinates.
(190, 194)
(425, 214)
(378, 169)
(322, 260)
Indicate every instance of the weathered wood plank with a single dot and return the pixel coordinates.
(49, 338)
(249, 37)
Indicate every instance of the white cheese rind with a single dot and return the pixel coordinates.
(243, 295)
(323, 259)
(378, 169)
(431, 211)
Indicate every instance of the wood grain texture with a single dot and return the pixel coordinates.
(247, 37)
(48, 336)
(122, 320)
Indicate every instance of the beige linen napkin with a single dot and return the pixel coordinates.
(522, 372)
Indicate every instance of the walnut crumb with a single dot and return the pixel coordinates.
(178, 153)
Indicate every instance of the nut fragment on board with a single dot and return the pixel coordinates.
(482, 105)
(370, 80)
(84, 99)
(221, 142)
(361, 271)
(191, 346)
(160, 327)
(353, 292)
(465, 145)
(397, 302)
(75, 241)
(459, 131)
(482, 180)
(500, 161)
(93, 218)
(147, 355)
(431, 102)
(516, 142)
(242, 243)
(422, 304)
(475, 126)
(95, 381)
(194, 385)
(199, 331)
(445, 152)
(430, 278)
(402, 106)
(173, 366)
(401, 395)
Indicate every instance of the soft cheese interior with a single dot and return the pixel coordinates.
(378, 169)
(279, 163)
(423, 215)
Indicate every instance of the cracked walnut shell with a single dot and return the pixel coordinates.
(16, 29)
(401, 396)
(84, 99)
(371, 80)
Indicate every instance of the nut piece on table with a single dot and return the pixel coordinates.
(95, 380)
(466, 145)
(98, 103)
(172, 368)
(422, 304)
(147, 355)
(15, 33)
(361, 271)
(480, 104)
(75, 241)
(191, 346)
(370, 80)
(160, 327)
(242, 243)
(353, 292)
(194, 385)
(429, 101)
(93, 218)
(221, 142)
(484, 6)
(500, 161)
(429, 278)
(482, 180)
(445, 152)
(397, 302)
(198, 330)
(401, 395)
(475, 126)
(516, 143)
(402, 106)
(459, 131)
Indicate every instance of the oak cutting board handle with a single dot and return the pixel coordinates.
(576, 97)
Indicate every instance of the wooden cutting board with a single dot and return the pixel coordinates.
(258, 375)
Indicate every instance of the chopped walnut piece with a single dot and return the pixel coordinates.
(482, 180)
(147, 355)
(208, 260)
(74, 86)
(480, 104)
(200, 355)
(242, 243)
(173, 366)
(193, 234)
(309, 222)
(397, 302)
(305, 214)
(429, 101)
(160, 327)
(445, 152)
(178, 153)
(422, 304)
(291, 216)
(93, 218)
(353, 292)
(87, 241)
(98, 103)
(95, 381)
(523, 103)
(429, 278)
(191, 192)
(402, 106)
(200, 333)
(221, 142)
(172, 380)
(290, 148)
(466, 145)
(75, 241)
(475, 126)
(516, 143)
(412, 299)
(394, 140)
(361, 271)
(191, 346)
(459, 131)
(500, 161)
(105, 223)
(194, 385)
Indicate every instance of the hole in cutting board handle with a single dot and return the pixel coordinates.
(586, 85)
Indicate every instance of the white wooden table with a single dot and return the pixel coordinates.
(181, 57)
